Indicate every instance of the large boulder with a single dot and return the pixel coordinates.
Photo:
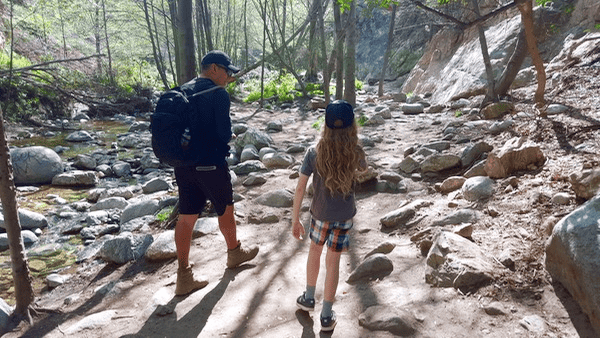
(573, 257)
(35, 165)
(517, 154)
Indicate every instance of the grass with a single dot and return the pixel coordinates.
(38, 201)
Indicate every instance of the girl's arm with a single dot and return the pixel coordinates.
(297, 226)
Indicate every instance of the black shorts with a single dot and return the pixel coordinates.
(197, 184)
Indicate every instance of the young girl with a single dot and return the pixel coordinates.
(334, 163)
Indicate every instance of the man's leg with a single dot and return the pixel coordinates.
(236, 254)
(228, 227)
(183, 238)
(186, 282)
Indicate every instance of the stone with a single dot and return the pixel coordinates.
(497, 109)
(249, 153)
(35, 165)
(373, 267)
(478, 188)
(586, 183)
(95, 321)
(163, 247)
(458, 217)
(27, 219)
(84, 162)
(156, 184)
(412, 108)
(125, 247)
(110, 203)
(384, 248)
(139, 209)
(573, 257)
(249, 167)
(79, 136)
(517, 154)
(439, 162)
(562, 198)
(205, 226)
(397, 321)
(472, 152)
(76, 178)
(254, 179)
(277, 160)
(451, 184)
(281, 198)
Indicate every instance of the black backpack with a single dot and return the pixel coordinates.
(169, 127)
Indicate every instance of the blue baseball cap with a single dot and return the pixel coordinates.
(339, 114)
(220, 58)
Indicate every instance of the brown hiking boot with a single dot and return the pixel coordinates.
(240, 255)
(187, 283)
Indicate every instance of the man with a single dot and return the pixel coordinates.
(209, 179)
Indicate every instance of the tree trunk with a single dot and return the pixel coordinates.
(514, 65)
(311, 73)
(339, 51)
(490, 95)
(526, 9)
(8, 195)
(326, 71)
(388, 51)
(246, 47)
(185, 35)
(350, 60)
(110, 70)
(206, 19)
(264, 51)
(97, 38)
(173, 12)
(155, 51)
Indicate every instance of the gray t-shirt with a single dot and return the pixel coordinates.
(324, 206)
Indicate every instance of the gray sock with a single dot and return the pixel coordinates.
(326, 312)
(310, 292)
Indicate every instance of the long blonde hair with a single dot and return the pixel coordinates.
(338, 157)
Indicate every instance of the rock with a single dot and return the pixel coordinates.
(457, 262)
(573, 257)
(76, 178)
(249, 167)
(110, 203)
(498, 127)
(249, 153)
(28, 219)
(412, 108)
(391, 177)
(458, 217)
(53, 280)
(473, 152)
(264, 151)
(276, 160)
(534, 323)
(84, 162)
(398, 217)
(205, 226)
(373, 267)
(478, 188)
(496, 110)
(79, 136)
(438, 145)
(374, 120)
(274, 126)
(95, 231)
(125, 247)
(35, 165)
(5, 313)
(391, 319)
(95, 321)
(554, 109)
(399, 97)
(139, 126)
(451, 184)
(439, 162)
(494, 309)
(263, 217)
(562, 198)
(585, 184)
(279, 198)
(384, 248)
(138, 224)
(156, 184)
(254, 179)
(139, 209)
(409, 165)
(255, 137)
(163, 247)
(517, 154)
(476, 170)
(121, 169)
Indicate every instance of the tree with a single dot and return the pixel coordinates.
(490, 94)
(155, 52)
(339, 51)
(388, 51)
(526, 9)
(8, 195)
(185, 36)
(350, 59)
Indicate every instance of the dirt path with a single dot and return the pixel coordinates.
(258, 299)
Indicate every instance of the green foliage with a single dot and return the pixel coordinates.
(283, 87)
(164, 214)
(18, 60)
(361, 120)
(358, 84)
(458, 113)
(319, 122)
(597, 26)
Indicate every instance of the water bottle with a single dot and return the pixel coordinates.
(185, 139)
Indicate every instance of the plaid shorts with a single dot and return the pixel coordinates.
(335, 234)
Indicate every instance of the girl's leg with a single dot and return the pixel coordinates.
(332, 263)
(313, 264)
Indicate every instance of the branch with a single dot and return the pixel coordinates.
(471, 23)
(35, 67)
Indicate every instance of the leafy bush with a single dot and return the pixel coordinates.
(18, 61)
(361, 120)
(283, 87)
